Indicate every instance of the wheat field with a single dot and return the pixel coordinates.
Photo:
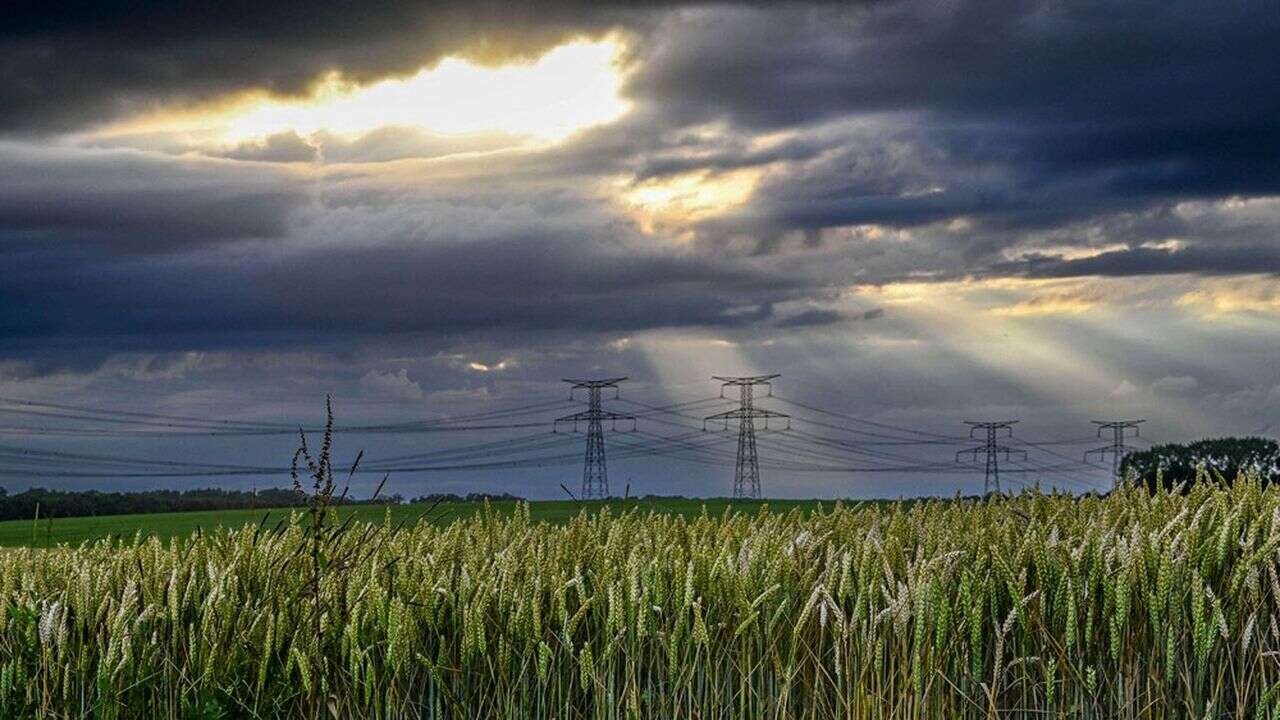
(1130, 605)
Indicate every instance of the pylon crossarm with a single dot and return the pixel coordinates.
(588, 414)
(606, 382)
(747, 380)
(740, 413)
(571, 419)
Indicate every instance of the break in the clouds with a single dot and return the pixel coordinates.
(1036, 208)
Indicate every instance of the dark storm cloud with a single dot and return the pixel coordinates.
(1022, 119)
(811, 318)
(1019, 116)
(1153, 261)
(1043, 64)
(82, 63)
(507, 284)
(136, 202)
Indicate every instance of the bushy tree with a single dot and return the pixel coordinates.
(1175, 463)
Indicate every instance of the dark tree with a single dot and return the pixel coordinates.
(1178, 463)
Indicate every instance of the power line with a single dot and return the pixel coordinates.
(1065, 473)
(864, 421)
(1042, 446)
(506, 446)
(142, 434)
(675, 447)
(855, 447)
(46, 458)
(650, 410)
(860, 446)
(155, 425)
(141, 416)
(868, 450)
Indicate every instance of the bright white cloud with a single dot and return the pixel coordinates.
(391, 385)
(574, 86)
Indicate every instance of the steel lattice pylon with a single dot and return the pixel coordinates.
(746, 470)
(992, 449)
(595, 474)
(1117, 447)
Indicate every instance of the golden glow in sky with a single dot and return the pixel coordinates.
(572, 87)
(569, 88)
(670, 202)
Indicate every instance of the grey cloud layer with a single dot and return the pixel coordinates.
(1018, 116)
(309, 254)
(1041, 126)
(127, 201)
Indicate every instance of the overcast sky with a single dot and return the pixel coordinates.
(918, 212)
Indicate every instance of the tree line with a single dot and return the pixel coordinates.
(1168, 465)
(44, 503)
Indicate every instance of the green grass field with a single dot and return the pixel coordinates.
(73, 531)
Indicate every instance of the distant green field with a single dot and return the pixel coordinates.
(45, 533)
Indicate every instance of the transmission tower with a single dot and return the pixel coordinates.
(746, 471)
(595, 476)
(1119, 431)
(992, 449)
